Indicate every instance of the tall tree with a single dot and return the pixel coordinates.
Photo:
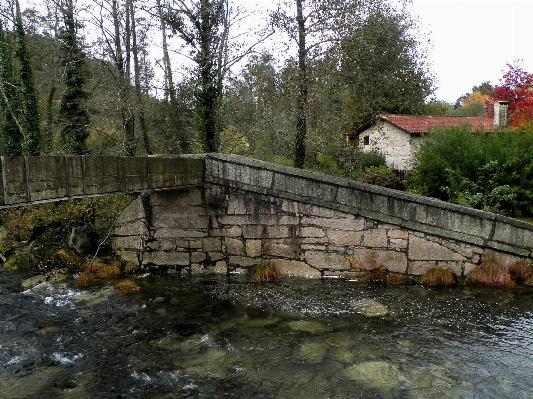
(205, 27)
(31, 143)
(173, 114)
(137, 79)
(314, 27)
(516, 88)
(72, 112)
(384, 67)
(11, 129)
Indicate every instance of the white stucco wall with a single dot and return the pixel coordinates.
(397, 145)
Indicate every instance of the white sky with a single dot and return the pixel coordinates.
(474, 39)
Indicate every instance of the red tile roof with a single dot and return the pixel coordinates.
(422, 123)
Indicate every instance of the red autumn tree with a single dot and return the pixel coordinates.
(517, 89)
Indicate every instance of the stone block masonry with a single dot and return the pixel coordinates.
(310, 225)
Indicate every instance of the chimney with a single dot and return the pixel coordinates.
(500, 113)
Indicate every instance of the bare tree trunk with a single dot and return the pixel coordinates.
(301, 108)
(128, 118)
(137, 73)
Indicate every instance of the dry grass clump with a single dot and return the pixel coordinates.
(265, 272)
(127, 286)
(491, 273)
(96, 271)
(395, 279)
(70, 258)
(521, 272)
(438, 277)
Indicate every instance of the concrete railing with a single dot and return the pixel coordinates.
(27, 180)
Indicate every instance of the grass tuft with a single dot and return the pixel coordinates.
(265, 272)
(491, 273)
(438, 277)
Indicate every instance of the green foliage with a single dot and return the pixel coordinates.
(492, 172)
(72, 112)
(381, 176)
(31, 143)
(338, 158)
(9, 104)
(28, 222)
(383, 66)
(21, 259)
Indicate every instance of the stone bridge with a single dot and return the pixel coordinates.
(223, 214)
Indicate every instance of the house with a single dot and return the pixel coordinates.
(398, 136)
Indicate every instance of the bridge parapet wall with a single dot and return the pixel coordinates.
(27, 180)
(251, 212)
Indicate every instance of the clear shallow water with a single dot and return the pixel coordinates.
(210, 338)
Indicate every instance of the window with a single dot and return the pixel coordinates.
(366, 140)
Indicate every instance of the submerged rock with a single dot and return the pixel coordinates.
(313, 327)
(312, 352)
(379, 375)
(33, 281)
(370, 308)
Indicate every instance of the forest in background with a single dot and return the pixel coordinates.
(179, 76)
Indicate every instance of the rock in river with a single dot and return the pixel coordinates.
(370, 308)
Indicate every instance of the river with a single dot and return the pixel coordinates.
(211, 337)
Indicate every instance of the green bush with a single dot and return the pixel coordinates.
(381, 176)
(488, 171)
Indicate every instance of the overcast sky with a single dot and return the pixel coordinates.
(474, 39)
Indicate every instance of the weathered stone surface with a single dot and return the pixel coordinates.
(281, 248)
(214, 256)
(166, 258)
(419, 268)
(177, 233)
(228, 231)
(422, 249)
(343, 238)
(132, 229)
(295, 268)
(398, 243)
(134, 212)
(258, 231)
(306, 232)
(128, 256)
(198, 257)
(134, 242)
(234, 246)
(253, 248)
(392, 261)
(242, 261)
(339, 224)
(211, 244)
(376, 238)
(167, 244)
(398, 234)
(327, 260)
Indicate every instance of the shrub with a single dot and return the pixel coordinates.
(438, 277)
(492, 172)
(381, 176)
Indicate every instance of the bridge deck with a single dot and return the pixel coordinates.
(29, 180)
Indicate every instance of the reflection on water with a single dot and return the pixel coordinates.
(210, 338)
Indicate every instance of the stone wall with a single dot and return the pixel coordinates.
(251, 212)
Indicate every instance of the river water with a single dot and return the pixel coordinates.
(215, 338)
